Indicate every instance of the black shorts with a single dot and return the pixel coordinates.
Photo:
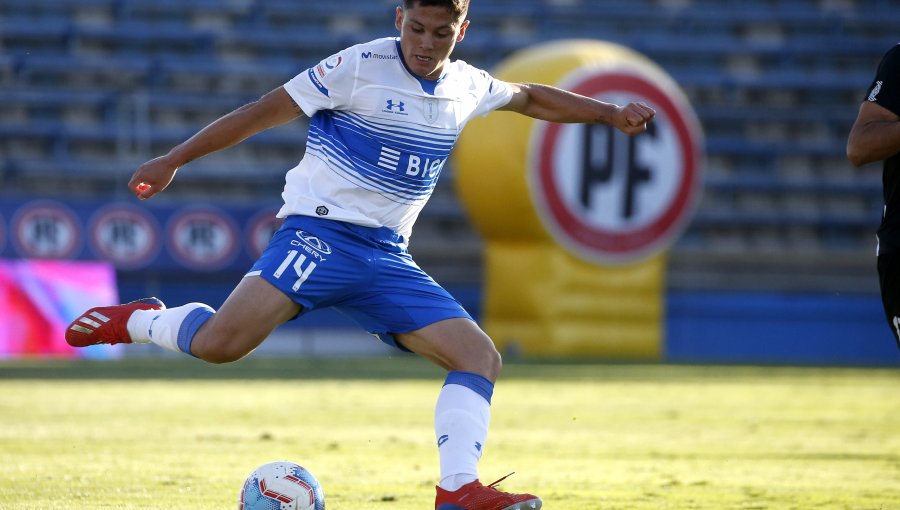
(889, 278)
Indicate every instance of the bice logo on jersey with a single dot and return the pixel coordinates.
(416, 166)
(426, 168)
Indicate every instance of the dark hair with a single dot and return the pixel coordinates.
(456, 7)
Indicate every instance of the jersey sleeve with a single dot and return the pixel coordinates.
(494, 94)
(885, 88)
(327, 85)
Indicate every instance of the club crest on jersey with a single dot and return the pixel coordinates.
(430, 109)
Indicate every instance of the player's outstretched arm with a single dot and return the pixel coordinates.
(553, 104)
(273, 109)
(874, 136)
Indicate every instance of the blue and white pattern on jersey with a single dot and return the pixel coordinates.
(379, 136)
(397, 161)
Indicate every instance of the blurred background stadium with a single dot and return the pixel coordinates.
(777, 264)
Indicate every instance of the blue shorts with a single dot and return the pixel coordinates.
(363, 272)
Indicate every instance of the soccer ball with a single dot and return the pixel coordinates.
(281, 485)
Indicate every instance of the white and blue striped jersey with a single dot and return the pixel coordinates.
(379, 136)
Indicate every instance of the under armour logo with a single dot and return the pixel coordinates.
(399, 105)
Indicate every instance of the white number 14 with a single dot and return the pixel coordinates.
(302, 273)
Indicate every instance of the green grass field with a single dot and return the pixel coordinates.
(178, 434)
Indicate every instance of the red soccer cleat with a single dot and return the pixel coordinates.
(107, 324)
(475, 496)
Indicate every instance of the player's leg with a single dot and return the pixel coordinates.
(307, 263)
(269, 295)
(889, 279)
(457, 345)
(408, 309)
(247, 317)
(462, 413)
(252, 311)
(463, 410)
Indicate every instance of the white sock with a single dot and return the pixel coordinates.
(168, 328)
(461, 420)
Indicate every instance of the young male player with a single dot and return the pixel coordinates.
(875, 136)
(384, 116)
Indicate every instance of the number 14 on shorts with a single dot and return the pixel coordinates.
(298, 265)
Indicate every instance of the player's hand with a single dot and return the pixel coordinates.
(152, 177)
(632, 118)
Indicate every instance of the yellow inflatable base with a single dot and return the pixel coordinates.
(542, 301)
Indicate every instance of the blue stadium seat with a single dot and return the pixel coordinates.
(143, 40)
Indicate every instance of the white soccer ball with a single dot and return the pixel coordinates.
(281, 485)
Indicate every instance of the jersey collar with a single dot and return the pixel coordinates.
(428, 86)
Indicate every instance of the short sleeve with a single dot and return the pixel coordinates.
(496, 94)
(885, 88)
(326, 86)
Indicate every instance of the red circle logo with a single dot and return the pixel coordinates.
(46, 230)
(260, 229)
(125, 235)
(203, 239)
(608, 197)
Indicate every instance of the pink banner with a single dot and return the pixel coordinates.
(39, 298)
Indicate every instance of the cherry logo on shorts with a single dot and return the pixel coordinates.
(314, 242)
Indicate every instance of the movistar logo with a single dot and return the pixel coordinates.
(443, 439)
(377, 56)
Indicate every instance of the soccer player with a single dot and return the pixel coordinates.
(875, 136)
(384, 116)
